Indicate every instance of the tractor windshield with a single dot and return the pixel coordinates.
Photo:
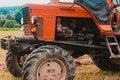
(99, 8)
(116, 2)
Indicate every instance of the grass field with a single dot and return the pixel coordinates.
(83, 71)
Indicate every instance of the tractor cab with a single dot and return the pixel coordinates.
(115, 20)
(105, 11)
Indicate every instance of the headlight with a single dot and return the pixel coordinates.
(34, 20)
(21, 20)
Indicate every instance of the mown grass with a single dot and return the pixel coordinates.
(91, 72)
(9, 29)
(5, 75)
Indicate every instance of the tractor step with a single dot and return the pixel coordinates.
(113, 43)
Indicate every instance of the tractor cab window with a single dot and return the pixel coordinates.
(116, 2)
(71, 1)
(101, 11)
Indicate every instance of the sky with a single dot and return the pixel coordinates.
(4, 3)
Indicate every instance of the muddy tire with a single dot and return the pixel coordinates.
(102, 60)
(49, 63)
(13, 64)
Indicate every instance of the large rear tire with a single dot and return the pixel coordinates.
(104, 62)
(49, 63)
(13, 65)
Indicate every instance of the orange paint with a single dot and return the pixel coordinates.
(49, 12)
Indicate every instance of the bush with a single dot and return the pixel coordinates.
(11, 24)
(2, 22)
(17, 26)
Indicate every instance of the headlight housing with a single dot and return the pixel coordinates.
(21, 20)
(34, 20)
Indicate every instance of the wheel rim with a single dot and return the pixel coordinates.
(51, 69)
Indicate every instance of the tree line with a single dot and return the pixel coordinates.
(10, 17)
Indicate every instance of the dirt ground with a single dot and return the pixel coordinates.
(2, 60)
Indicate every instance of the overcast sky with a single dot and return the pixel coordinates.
(4, 3)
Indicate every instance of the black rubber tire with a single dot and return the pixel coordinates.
(13, 65)
(101, 59)
(46, 52)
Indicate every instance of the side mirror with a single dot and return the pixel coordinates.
(34, 20)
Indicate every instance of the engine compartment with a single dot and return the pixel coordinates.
(75, 29)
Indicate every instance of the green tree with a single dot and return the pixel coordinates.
(2, 16)
(10, 17)
(18, 17)
(10, 24)
(3, 11)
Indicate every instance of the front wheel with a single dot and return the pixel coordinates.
(49, 63)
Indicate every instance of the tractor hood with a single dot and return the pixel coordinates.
(99, 8)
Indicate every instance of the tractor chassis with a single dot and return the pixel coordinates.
(26, 44)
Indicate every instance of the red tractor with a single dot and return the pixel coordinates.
(57, 33)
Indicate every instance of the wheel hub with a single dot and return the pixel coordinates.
(52, 69)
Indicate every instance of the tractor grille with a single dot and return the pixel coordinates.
(26, 17)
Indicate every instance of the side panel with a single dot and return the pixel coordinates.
(49, 28)
(49, 13)
(40, 27)
(59, 10)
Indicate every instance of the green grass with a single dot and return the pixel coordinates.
(91, 72)
(9, 29)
